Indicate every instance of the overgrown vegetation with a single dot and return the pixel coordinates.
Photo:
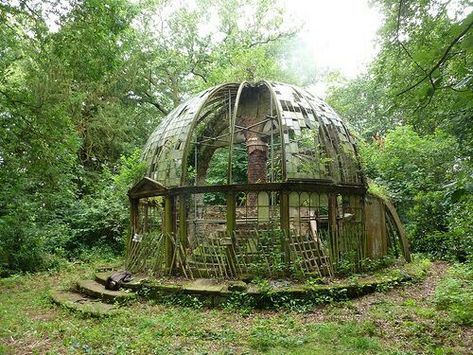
(413, 108)
(374, 324)
(455, 294)
(82, 85)
(84, 82)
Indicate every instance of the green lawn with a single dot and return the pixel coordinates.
(409, 319)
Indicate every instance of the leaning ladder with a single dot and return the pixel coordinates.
(325, 263)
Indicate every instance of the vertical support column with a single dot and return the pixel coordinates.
(284, 206)
(364, 238)
(168, 230)
(134, 223)
(231, 214)
(333, 228)
(145, 217)
(183, 220)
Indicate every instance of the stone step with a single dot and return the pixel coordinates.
(101, 278)
(94, 289)
(80, 303)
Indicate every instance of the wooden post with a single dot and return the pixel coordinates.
(333, 227)
(284, 212)
(183, 221)
(231, 214)
(400, 228)
(168, 230)
(134, 223)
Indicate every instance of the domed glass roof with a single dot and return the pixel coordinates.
(298, 136)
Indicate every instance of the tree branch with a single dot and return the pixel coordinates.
(272, 39)
(199, 75)
(154, 103)
(440, 61)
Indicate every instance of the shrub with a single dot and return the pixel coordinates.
(431, 187)
(102, 218)
(455, 294)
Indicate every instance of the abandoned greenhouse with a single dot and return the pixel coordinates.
(256, 179)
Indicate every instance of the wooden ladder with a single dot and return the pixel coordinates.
(324, 261)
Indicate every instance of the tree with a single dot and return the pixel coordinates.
(422, 78)
(82, 85)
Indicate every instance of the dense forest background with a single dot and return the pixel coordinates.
(84, 82)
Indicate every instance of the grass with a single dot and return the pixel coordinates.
(403, 320)
(455, 294)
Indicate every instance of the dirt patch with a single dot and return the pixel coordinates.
(404, 316)
(422, 291)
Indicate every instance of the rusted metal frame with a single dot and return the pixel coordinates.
(209, 145)
(252, 126)
(214, 105)
(232, 131)
(341, 157)
(211, 110)
(302, 252)
(187, 144)
(319, 152)
(281, 131)
(241, 129)
(325, 144)
(257, 123)
(166, 124)
(219, 100)
(134, 248)
(335, 148)
(216, 140)
(299, 186)
(213, 138)
(216, 110)
(305, 254)
(220, 258)
(357, 156)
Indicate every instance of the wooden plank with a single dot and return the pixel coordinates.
(402, 233)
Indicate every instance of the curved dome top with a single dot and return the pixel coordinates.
(292, 134)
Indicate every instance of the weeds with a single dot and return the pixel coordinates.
(455, 294)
